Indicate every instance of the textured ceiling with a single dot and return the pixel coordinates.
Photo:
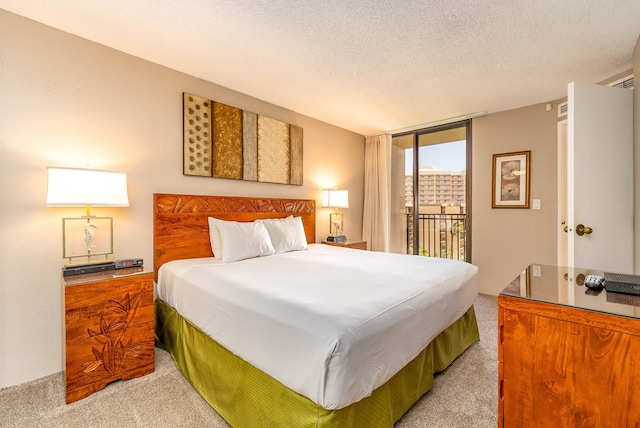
(367, 65)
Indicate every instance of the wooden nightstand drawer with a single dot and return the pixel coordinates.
(109, 331)
(358, 245)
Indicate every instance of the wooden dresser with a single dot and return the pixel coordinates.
(109, 329)
(568, 356)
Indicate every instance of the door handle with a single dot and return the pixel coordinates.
(582, 229)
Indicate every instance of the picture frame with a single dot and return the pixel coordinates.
(510, 180)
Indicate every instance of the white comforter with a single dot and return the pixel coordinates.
(330, 323)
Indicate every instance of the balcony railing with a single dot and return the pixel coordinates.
(441, 235)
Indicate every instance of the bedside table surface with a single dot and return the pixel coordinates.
(102, 276)
(351, 243)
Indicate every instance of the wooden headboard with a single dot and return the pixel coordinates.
(181, 228)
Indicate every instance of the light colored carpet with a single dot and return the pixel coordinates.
(464, 395)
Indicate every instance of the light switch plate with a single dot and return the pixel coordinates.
(536, 270)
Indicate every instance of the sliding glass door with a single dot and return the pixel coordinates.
(431, 192)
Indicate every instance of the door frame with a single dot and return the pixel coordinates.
(416, 179)
(567, 164)
(562, 192)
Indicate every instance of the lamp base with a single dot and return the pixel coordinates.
(341, 239)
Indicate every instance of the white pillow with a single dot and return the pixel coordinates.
(287, 234)
(214, 238)
(232, 240)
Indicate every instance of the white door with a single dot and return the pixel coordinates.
(600, 225)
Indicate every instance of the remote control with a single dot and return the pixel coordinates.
(594, 281)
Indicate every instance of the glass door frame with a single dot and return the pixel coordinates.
(416, 179)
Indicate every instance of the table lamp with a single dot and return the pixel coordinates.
(71, 187)
(333, 198)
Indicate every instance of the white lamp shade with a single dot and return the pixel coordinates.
(69, 187)
(335, 198)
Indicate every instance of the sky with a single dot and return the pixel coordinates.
(447, 156)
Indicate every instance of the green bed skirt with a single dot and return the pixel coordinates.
(247, 397)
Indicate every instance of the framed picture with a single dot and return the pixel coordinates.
(511, 180)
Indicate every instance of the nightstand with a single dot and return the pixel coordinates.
(358, 245)
(109, 329)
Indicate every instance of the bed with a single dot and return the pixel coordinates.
(364, 365)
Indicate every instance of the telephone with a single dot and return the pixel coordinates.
(594, 281)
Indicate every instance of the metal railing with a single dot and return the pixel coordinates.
(441, 235)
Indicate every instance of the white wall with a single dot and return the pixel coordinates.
(65, 101)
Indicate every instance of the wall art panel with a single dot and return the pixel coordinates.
(295, 136)
(197, 136)
(227, 141)
(250, 145)
(274, 151)
(222, 141)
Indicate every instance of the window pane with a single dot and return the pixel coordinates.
(441, 194)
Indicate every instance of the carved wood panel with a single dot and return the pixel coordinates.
(109, 332)
(181, 228)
